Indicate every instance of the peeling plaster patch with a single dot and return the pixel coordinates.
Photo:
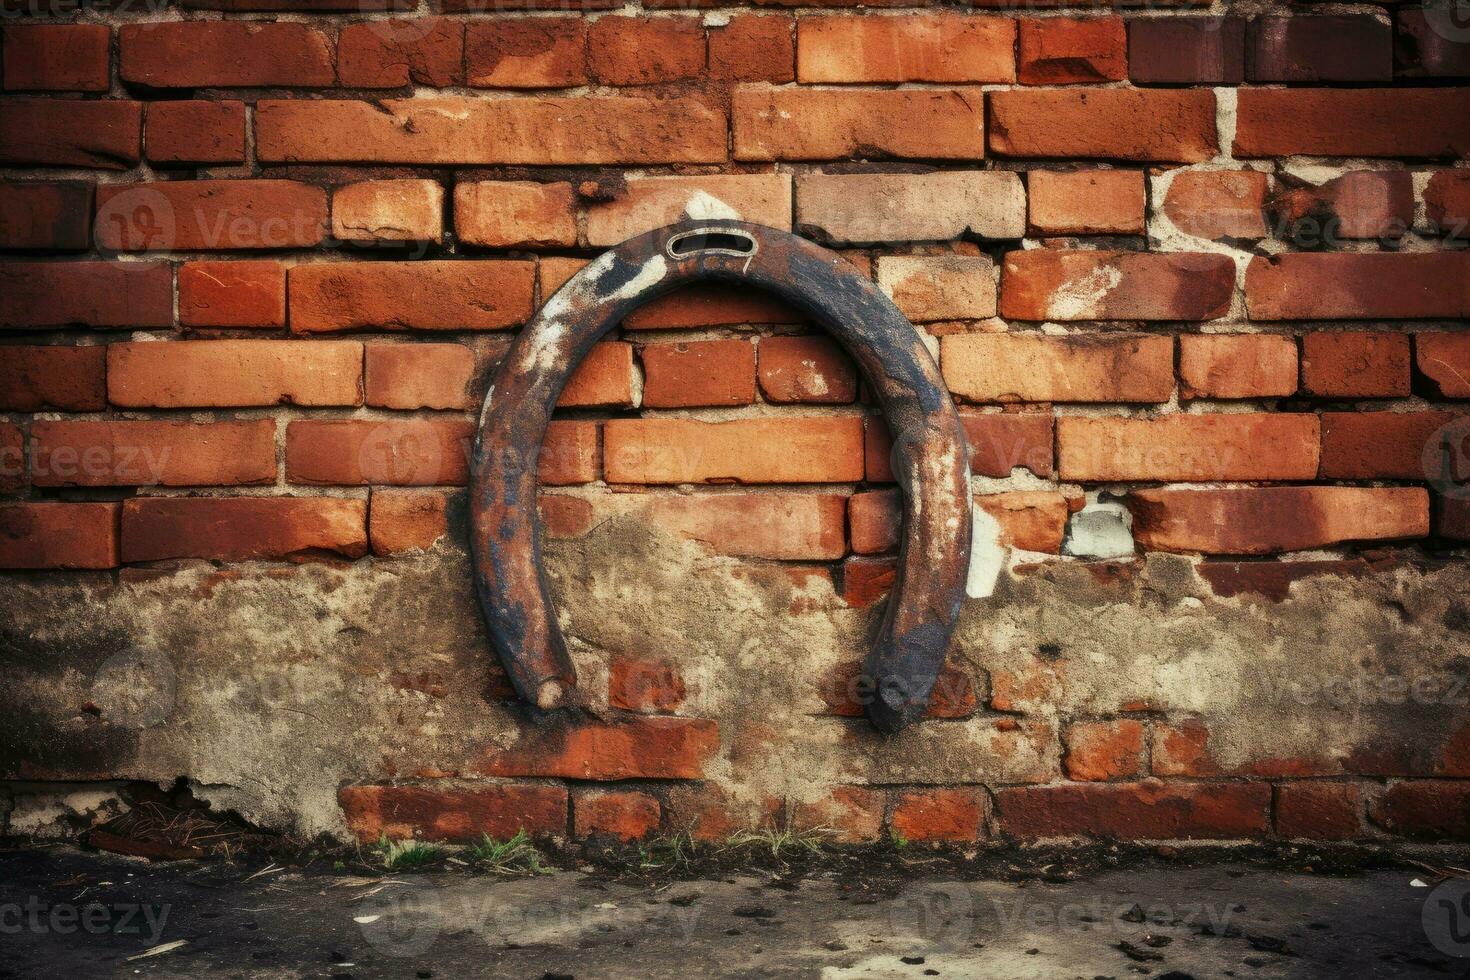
(1102, 529)
(704, 206)
(987, 554)
(52, 813)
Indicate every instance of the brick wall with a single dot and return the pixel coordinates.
(260, 258)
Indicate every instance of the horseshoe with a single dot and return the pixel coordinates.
(931, 462)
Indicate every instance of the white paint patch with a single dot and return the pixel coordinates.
(653, 270)
(1101, 529)
(987, 554)
(704, 206)
(1082, 299)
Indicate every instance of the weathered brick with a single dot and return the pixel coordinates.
(1066, 284)
(648, 686)
(846, 692)
(1444, 358)
(570, 453)
(1357, 286)
(813, 370)
(782, 526)
(792, 450)
(698, 372)
(1120, 124)
(1320, 49)
(753, 48)
(105, 134)
(531, 130)
(1319, 811)
(1086, 202)
(1148, 810)
(1447, 202)
(389, 211)
(857, 208)
(940, 815)
(195, 131)
(1030, 520)
(1352, 364)
(1218, 204)
(1452, 518)
(1002, 367)
(1383, 445)
(905, 48)
(86, 294)
(515, 214)
(225, 54)
(397, 452)
(1102, 750)
(231, 373)
(604, 378)
(1425, 48)
(636, 748)
(394, 53)
(46, 216)
(243, 528)
(998, 443)
(188, 215)
(1264, 520)
(529, 52)
(1429, 808)
(152, 453)
(405, 521)
(647, 203)
(1247, 365)
(1069, 51)
(1361, 122)
(408, 376)
(55, 535)
(460, 813)
(1186, 50)
(60, 378)
(56, 58)
(425, 295)
(645, 50)
(232, 294)
(846, 123)
(874, 518)
(867, 580)
(623, 815)
(710, 814)
(1359, 204)
(1189, 448)
(845, 814)
(939, 287)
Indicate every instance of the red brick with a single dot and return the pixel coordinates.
(1030, 520)
(515, 214)
(1382, 445)
(1357, 286)
(1004, 367)
(57, 58)
(644, 685)
(1344, 364)
(225, 54)
(624, 815)
(1447, 201)
(1264, 520)
(1136, 811)
(637, 748)
(46, 216)
(845, 814)
(1120, 124)
(570, 453)
(86, 294)
(195, 132)
(1320, 49)
(47, 535)
(645, 50)
(844, 208)
(1064, 284)
(707, 813)
(842, 123)
(1319, 811)
(1444, 358)
(780, 526)
(1190, 448)
(405, 521)
(604, 378)
(243, 528)
(531, 130)
(233, 294)
(646, 203)
(1218, 204)
(532, 52)
(905, 48)
(1186, 50)
(427, 295)
(1452, 518)
(153, 453)
(846, 692)
(875, 521)
(698, 372)
(1066, 51)
(1363, 122)
(927, 288)
(397, 452)
(66, 379)
(1103, 750)
(753, 48)
(1359, 204)
(564, 516)
(210, 214)
(940, 815)
(998, 444)
(230, 373)
(453, 814)
(104, 134)
(1086, 202)
(1430, 808)
(791, 450)
(408, 376)
(867, 580)
(1245, 365)
(1425, 49)
(389, 211)
(814, 370)
(394, 53)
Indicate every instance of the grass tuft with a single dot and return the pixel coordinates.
(404, 855)
(782, 844)
(515, 856)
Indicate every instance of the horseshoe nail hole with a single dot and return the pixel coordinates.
(728, 242)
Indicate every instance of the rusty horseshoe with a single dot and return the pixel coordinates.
(930, 459)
